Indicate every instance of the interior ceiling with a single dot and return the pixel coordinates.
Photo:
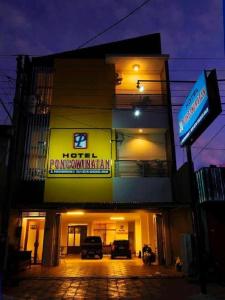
(102, 216)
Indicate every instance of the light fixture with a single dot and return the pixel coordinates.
(117, 218)
(78, 213)
(34, 218)
(137, 112)
(141, 88)
(118, 79)
(140, 130)
(136, 67)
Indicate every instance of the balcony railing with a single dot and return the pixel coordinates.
(142, 168)
(145, 101)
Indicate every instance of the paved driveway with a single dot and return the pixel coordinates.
(106, 267)
(108, 288)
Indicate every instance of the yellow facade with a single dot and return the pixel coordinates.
(80, 85)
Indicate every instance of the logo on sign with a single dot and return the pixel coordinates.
(80, 140)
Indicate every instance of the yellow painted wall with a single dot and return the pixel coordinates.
(138, 237)
(142, 147)
(81, 83)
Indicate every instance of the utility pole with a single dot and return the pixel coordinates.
(197, 226)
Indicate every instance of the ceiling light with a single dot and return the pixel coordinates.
(117, 218)
(137, 112)
(136, 67)
(78, 213)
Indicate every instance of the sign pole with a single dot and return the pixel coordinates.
(196, 220)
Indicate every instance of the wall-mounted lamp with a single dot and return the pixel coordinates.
(118, 79)
(140, 87)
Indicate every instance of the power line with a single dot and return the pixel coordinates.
(221, 128)
(114, 24)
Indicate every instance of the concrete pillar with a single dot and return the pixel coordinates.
(51, 239)
(167, 239)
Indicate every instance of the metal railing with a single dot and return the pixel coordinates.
(142, 168)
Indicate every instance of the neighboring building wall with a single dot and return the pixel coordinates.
(211, 184)
(4, 157)
(180, 224)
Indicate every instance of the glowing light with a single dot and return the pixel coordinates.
(141, 88)
(34, 218)
(78, 213)
(136, 67)
(140, 130)
(137, 112)
(117, 218)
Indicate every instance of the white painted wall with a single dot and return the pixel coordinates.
(142, 189)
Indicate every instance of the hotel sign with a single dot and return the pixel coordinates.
(200, 108)
(79, 153)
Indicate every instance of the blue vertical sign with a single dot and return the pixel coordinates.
(224, 24)
(194, 110)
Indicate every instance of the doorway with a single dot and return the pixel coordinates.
(75, 236)
(33, 238)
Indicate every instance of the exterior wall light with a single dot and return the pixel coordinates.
(141, 88)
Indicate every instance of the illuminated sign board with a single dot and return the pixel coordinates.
(200, 108)
(79, 153)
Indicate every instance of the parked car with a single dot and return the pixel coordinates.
(91, 247)
(120, 248)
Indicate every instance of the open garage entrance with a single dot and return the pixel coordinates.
(139, 227)
(55, 236)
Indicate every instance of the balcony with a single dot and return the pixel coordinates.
(154, 111)
(142, 181)
(142, 168)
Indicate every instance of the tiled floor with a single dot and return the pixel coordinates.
(103, 279)
(108, 288)
(75, 267)
(152, 289)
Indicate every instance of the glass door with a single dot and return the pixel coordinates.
(34, 239)
(75, 237)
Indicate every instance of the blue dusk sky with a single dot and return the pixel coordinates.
(191, 33)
